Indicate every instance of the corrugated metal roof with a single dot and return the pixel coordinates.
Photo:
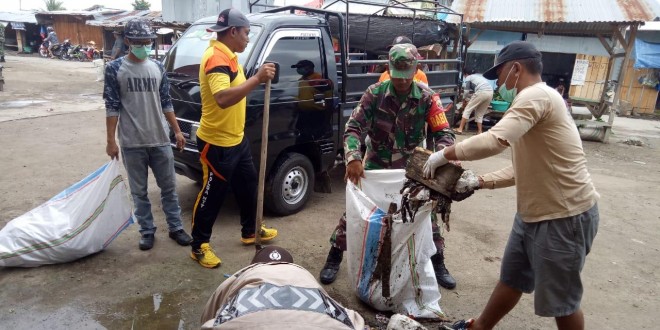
(121, 18)
(562, 28)
(558, 11)
(92, 13)
(18, 16)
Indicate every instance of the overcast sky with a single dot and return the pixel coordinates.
(11, 5)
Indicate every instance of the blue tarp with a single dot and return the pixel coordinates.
(647, 55)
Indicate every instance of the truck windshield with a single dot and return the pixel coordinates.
(184, 58)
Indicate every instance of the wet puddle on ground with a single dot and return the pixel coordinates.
(20, 104)
(157, 311)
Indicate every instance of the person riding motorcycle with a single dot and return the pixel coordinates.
(51, 40)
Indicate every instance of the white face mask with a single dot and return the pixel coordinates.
(508, 94)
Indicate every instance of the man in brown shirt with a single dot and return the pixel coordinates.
(557, 213)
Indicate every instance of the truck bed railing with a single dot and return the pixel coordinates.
(353, 80)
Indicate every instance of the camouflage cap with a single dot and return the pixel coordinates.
(138, 28)
(403, 61)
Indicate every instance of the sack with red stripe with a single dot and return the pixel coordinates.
(79, 221)
(389, 261)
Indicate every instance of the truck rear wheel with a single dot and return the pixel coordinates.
(290, 184)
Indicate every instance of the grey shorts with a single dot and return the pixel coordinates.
(547, 257)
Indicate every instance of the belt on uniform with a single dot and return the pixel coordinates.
(272, 297)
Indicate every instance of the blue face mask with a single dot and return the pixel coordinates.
(508, 94)
(141, 51)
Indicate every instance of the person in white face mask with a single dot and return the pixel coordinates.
(138, 107)
(557, 212)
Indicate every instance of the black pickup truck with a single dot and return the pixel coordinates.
(307, 113)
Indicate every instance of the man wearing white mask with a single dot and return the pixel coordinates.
(557, 212)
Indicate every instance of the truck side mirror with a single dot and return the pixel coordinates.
(277, 72)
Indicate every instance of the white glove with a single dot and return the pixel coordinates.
(468, 182)
(436, 160)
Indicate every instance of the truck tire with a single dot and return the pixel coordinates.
(289, 185)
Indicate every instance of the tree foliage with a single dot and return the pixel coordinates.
(141, 5)
(52, 5)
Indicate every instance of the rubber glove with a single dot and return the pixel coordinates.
(436, 160)
(467, 182)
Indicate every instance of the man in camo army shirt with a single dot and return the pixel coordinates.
(396, 115)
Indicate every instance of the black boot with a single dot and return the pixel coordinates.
(331, 268)
(441, 273)
(2, 58)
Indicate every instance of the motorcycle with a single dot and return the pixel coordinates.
(92, 53)
(76, 53)
(62, 51)
(57, 50)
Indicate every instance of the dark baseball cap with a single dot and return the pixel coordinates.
(303, 64)
(400, 40)
(138, 28)
(272, 253)
(517, 50)
(228, 18)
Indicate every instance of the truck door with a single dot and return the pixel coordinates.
(301, 101)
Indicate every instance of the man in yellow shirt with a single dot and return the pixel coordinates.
(419, 74)
(224, 150)
(557, 213)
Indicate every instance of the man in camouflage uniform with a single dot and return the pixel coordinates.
(2, 42)
(396, 115)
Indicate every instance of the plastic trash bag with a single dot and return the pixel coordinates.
(79, 221)
(100, 69)
(413, 289)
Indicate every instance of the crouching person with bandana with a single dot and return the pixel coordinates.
(275, 293)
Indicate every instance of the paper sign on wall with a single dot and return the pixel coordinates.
(580, 72)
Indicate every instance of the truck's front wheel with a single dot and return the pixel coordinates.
(290, 184)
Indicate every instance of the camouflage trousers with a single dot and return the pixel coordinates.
(338, 238)
(2, 48)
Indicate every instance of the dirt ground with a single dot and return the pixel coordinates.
(52, 133)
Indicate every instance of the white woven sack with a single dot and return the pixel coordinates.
(81, 220)
(413, 287)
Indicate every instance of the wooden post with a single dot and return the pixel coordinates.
(602, 104)
(262, 168)
(628, 47)
(19, 40)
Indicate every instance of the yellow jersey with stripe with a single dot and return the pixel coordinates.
(218, 71)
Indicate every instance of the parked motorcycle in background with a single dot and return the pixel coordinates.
(63, 54)
(67, 51)
(76, 53)
(91, 52)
